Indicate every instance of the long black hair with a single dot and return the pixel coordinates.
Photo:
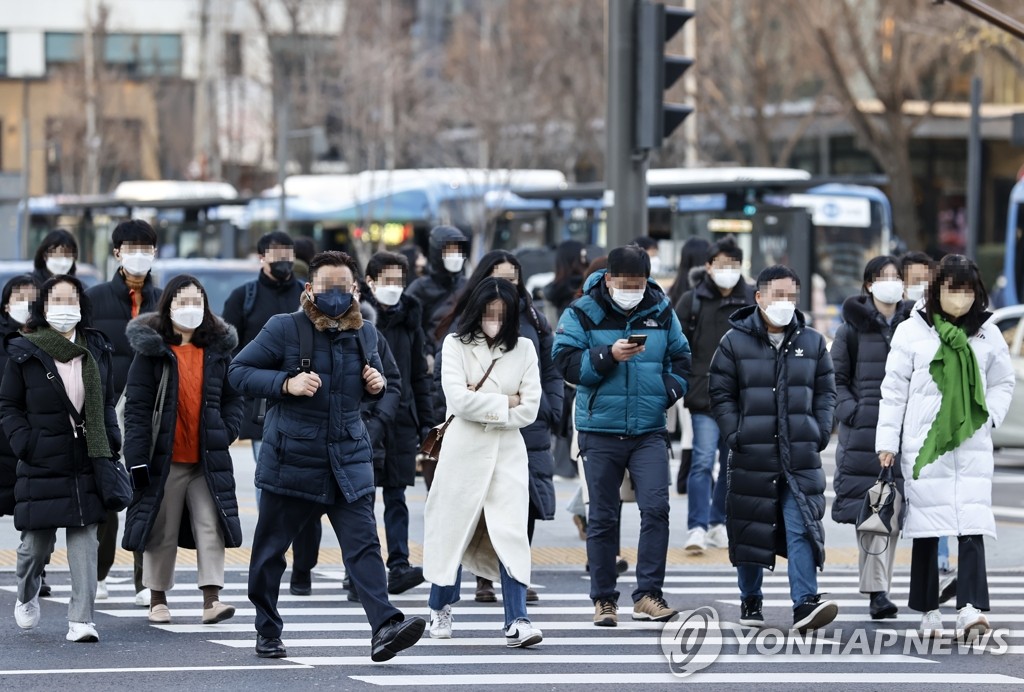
(484, 269)
(875, 266)
(960, 272)
(488, 290)
(37, 315)
(55, 239)
(203, 334)
(694, 253)
(569, 261)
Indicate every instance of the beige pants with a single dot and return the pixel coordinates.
(185, 484)
(876, 559)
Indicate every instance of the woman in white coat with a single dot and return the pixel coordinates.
(476, 512)
(948, 382)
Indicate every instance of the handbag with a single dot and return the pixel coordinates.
(430, 448)
(880, 512)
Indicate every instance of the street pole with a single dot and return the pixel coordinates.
(974, 171)
(625, 168)
(24, 218)
(282, 161)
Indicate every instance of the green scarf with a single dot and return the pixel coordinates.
(63, 350)
(962, 411)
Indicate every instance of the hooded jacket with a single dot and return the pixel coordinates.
(8, 459)
(436, 291)
(774, 409)
(219, 421)
(858, 393)
(628, 398)
(313, 447)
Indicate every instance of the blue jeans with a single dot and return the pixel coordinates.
(605, 460)
(396, 527)
(513, 596)
(705, 498)
(944, 553)
(803, 581)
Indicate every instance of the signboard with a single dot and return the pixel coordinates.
(835, 210)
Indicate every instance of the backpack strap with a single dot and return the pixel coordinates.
(62, 394)
(365, 348)
(305, 328)
(250, 298)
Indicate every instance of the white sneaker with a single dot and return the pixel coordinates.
(931, 624)
(142, 598)
(521, 634)
(82, 632)
(441, 623)
(697, 541)
(970, 622)
(101, 590)
(717, 537)
(27, 614)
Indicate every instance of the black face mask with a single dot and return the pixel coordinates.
(281, 270)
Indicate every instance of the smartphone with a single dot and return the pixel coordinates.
(140, 476)
(637, 339)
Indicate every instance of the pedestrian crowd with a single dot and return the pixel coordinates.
(128, 397)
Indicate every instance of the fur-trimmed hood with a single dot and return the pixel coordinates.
(351, 320)
(145, 339)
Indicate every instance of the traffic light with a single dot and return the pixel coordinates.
(656, 72)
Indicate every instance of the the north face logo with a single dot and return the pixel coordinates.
(651, 322)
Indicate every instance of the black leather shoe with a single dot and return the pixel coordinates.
(301, 583)
(881, 607)
(401, 579)
(485, 591)
(351, 594)
(44, 588)
(395, 636)
(270, 647)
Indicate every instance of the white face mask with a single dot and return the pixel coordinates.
(187, 317)
(780, 313)
(726, 278)
(64, 318)
(491, 328)
(137, 263)
(889, 291)
(916, 292)
(627, 300)
(388, 295)
(58, 264)
(453, 263)
(19, 311)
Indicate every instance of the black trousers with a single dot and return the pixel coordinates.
(281, 518)
(306, 547)
(971, 581)
(107, 533)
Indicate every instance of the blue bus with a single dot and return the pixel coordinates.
(1013, 263)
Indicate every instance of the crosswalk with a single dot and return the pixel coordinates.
(323, 631)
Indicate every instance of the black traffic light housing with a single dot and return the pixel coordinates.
(656, 72)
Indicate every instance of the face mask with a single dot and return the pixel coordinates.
(388, 295)
(956, 304)
(889, 291)
(187, 318)
(333, 303)
(780, 313)
(916, 292)
(453, 263)
(491, 328)
(726, 278)
(627, 300)
(655, 265)
(59, 264)
(19, 311)
(137, 263)
(64, 318)
(281, 270)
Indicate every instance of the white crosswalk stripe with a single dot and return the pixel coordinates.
(325, 630)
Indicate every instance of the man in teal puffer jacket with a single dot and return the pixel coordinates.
(622, 345)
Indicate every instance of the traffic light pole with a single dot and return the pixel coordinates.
(625, 168)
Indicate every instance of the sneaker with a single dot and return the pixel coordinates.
(750, 612)
(947, 588)
(606, 613)
(84, 632)
(697, 541)
(718, 537)
(403, 578)
(218, 612)
(814, 614)
(931, 624)
(652, 608)
(521, 634)
(441, 623)
(970, 622)
(101, 590)
(142, 598)
(27, 614)
(160, 614)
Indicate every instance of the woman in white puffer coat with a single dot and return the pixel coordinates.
(948, 383)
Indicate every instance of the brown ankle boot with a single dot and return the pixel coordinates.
(485, 591)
